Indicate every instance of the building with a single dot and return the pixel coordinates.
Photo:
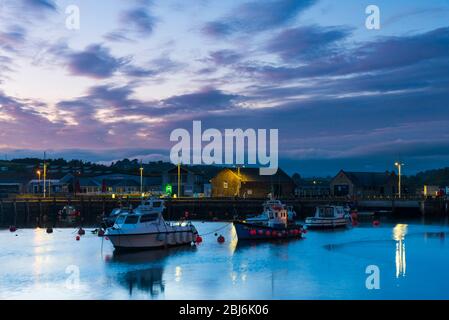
(362, 184)
(248, 183)
(194, 180)
(312, 188)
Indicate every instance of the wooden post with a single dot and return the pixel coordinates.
(2, 213)
(15, 213)
(39, 220)
(27, 219)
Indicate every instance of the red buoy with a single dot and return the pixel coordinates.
(101, 233)
(376, 223)
(77, 238)
(274, 233)
(81, 232)
(12, 229)
(106, 238)
(252, 232)
(304, 231)
(198, 239)
(260, 232)
(268, 233)
(221, 239)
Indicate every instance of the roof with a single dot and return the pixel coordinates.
(253, 175)
(369, 179)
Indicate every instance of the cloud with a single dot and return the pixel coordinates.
(46, 5)
(208, 99)
(95, 61)
(257, 16)
(388, 53)
(12, 38)
(139, 20)
(308, 42)
(225, 57)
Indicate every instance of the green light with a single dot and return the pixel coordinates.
(168, 189)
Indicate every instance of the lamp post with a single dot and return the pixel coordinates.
(39, 180)
(141, 179)
(399, 165)
(179, 180)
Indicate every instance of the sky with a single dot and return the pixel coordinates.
(342, 96)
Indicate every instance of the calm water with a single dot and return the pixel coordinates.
(413, 260)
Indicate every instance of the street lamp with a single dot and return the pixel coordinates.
(39, 179)
(399, 165)
(141, 180)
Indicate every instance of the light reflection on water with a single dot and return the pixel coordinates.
(325, 265)
(399, 233)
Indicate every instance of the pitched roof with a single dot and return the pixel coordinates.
(253, 175)
(369, 179)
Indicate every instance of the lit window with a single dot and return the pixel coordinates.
(225, 185)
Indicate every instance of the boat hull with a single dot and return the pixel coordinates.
(151, 240)
(314, 223)
(254, 231)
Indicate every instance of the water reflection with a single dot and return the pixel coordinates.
(150, 278)
(399, 233)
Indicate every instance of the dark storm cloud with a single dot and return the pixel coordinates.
(257, 16)
(95, 61)
(306, 42)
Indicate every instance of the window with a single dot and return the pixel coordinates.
(225, 185)
(131, 219)
(120, 219)
(149, 217)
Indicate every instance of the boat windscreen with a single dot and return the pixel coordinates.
(326, 212)
(149, 217)
(131, 219)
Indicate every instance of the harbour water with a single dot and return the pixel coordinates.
(412, 258)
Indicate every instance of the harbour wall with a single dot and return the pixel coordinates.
(44, 212)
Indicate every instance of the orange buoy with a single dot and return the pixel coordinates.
(77, 238)
(221, 239)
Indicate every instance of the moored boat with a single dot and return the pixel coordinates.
(145, 228)
(328, 217)
(267, 207)
(276, 226)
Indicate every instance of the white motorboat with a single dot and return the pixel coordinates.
(268, 207)
(329, 217)
(145, 228)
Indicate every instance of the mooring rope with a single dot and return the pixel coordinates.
(208, 233)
